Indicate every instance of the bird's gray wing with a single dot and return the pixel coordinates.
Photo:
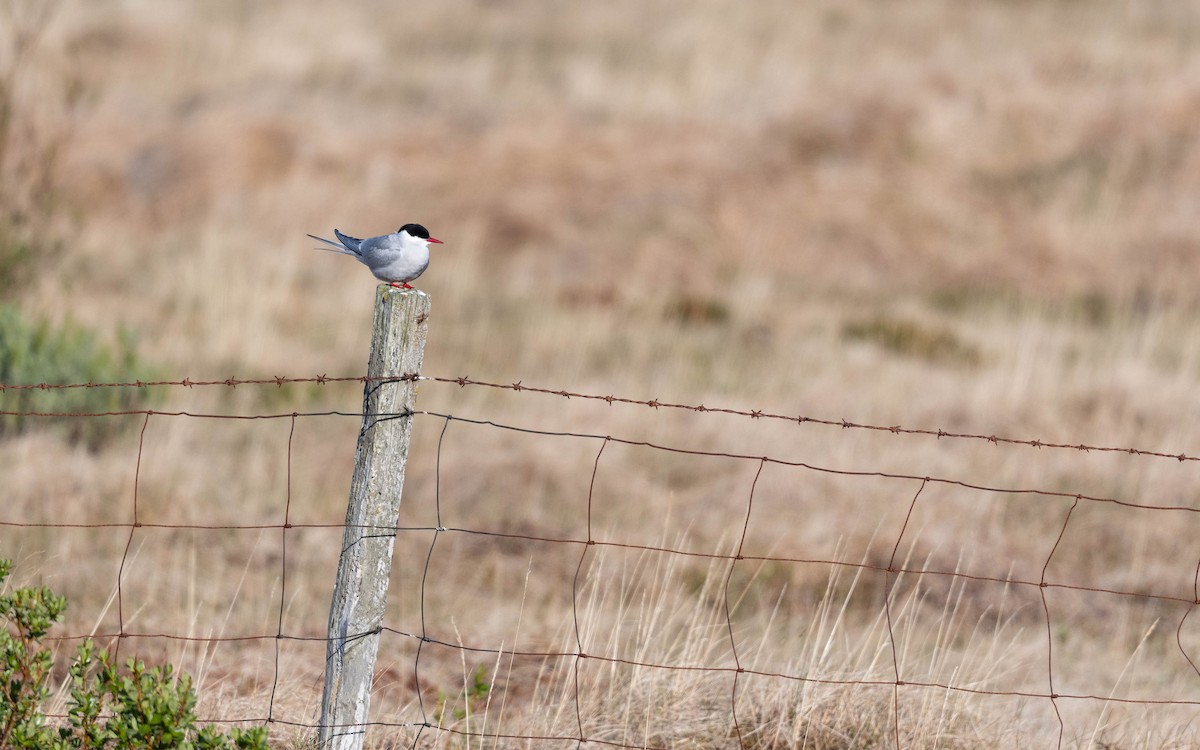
(381, 249)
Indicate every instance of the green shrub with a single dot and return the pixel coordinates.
(144, 708)
(31, 354)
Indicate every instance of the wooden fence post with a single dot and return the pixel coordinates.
(364, 569)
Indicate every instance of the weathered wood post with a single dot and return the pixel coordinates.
(364, 569)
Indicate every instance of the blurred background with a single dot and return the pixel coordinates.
(973, 216)
(875, 178)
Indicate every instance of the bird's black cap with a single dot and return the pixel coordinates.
(416, 230)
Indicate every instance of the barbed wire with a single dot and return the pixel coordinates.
(654, 403)
(899, 682)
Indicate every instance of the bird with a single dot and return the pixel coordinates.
(396, 258)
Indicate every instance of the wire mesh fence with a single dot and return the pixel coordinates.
(649, 590)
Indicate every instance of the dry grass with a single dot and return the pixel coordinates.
(973, 216)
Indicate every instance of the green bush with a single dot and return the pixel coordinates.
(144, 708)
(38, 353)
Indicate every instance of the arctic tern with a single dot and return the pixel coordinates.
(396, 258)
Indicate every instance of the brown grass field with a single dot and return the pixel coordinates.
(978, 217)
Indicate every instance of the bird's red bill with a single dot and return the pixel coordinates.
(436, 241)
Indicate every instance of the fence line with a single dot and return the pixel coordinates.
(647, 444)
(586, 544)
(519, 387)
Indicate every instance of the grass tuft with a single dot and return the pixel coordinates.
(909, 339)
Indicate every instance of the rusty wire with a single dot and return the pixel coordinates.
(654, 403)
(900, 684)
